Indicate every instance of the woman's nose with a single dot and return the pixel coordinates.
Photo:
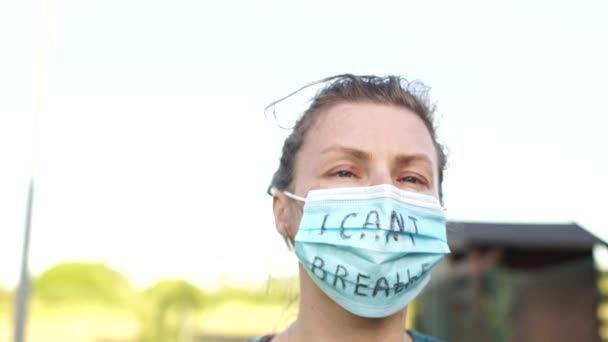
(381, 175)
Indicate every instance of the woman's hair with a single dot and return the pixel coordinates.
(347, 88)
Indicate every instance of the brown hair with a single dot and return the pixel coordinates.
(348, 88)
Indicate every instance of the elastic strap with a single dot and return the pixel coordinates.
(295, 197)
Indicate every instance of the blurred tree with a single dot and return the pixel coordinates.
(166, 310)
(82, 284)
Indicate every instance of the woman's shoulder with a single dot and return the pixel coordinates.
(418, 337)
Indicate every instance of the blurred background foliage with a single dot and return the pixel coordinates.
(4, 301)
(82, 284)
(101, 303)
(92, 302)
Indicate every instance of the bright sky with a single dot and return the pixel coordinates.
(155, 154)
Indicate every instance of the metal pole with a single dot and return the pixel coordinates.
(23, 289)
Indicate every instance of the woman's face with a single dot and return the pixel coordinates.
(362, 144)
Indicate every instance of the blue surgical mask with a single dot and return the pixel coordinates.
(370, 249)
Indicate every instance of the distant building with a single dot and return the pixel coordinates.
(513, 282)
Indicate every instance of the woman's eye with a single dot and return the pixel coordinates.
(344, 174)
(411, 179)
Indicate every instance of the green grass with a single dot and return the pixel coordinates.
(229, 319)
(246, 319)
(76, 324)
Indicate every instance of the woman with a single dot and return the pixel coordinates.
(358, 195)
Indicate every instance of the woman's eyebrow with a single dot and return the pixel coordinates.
(354, 152)
(411, 158)
(418, 158)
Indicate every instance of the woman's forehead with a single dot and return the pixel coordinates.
(372, 128)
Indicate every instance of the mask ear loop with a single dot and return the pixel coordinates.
(289, 241)
(270, 192)
(295, 197)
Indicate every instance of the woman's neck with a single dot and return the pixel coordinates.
(321, 319)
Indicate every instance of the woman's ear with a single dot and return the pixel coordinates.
(282, 217)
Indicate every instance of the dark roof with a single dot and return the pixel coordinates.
(522, 235)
